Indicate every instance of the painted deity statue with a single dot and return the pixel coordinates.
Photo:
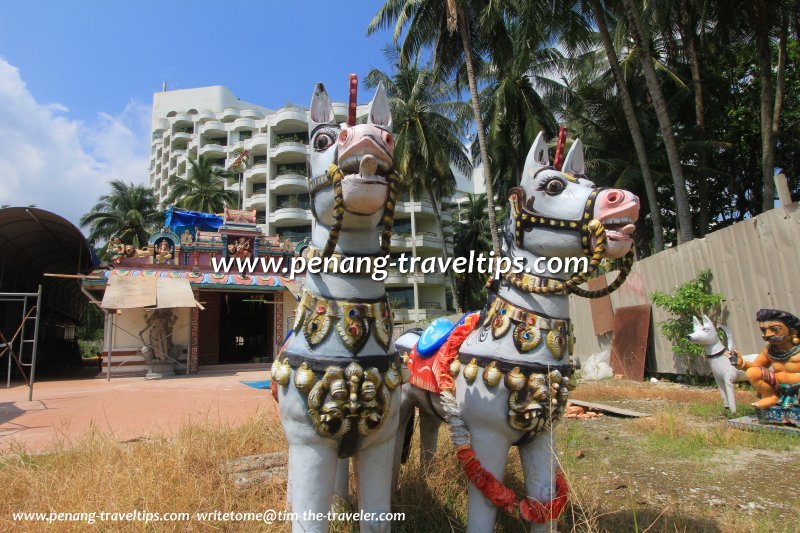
(775, 372)
(505, 381)
(163, 252)
(337, 378)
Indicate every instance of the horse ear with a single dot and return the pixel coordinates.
(707, 321)
(696, 322)
(380, 113)
(321, 110)
(573, 163)
(537, 155)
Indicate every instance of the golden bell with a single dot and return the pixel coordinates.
(281, 372)
(515, 380)
(492, 375)
(471, 371)
(392, 378)
(455, 368)
(304, 378)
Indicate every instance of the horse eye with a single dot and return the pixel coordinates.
(554, 186)
(322, 142)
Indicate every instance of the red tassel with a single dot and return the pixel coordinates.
(351, 110)
(558, 162)
(503, 497)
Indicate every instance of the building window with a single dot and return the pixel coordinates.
(299, 137)
(294, 233)
(401, 298)
(292, 200)
(259, 188)
(402, 228)
(245, 134)
(261, 217)
(259, 159)
(292, 168)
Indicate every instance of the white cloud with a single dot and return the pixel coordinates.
(61, 164)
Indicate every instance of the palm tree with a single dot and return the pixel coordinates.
(633, 123)
(128, 212)
(427, 140)
(443, 23)
(204, 189)
(643, 49)
(471, 235)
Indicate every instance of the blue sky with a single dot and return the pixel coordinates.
(89, 70)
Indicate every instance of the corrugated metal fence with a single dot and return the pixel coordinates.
(755, 264)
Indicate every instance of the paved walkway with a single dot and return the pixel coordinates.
(63, 411)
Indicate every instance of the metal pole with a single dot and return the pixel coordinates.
(21, 340)
(109, 342)
(35, 341)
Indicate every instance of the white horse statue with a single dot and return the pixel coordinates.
(336, 377)
(508, 382)
(718, 353)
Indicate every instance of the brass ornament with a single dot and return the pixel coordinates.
(383, 323)
(557, 343)
(281, 372)
(392, 378)
(304, 378)
(317, 322)
(515, 380)
(492, 376)
(795, 340)
(501, 323)
(471, 371)
(351, 396)
(353, 326)
(527, 336)
(455, 368)
(534, 408)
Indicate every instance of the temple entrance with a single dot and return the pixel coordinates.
(245, 328)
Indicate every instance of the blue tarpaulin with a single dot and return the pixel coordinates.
(179, 220)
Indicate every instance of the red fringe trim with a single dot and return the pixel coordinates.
(449, 350)
(503, 497)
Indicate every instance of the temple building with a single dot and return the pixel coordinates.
(169, 306)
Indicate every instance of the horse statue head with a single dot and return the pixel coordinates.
(558, 212)
(352, 183)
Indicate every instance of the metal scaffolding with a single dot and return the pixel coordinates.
(20, 339)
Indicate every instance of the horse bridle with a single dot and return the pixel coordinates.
(526, 218)
(333, 178)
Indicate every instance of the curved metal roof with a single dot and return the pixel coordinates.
(34, 241)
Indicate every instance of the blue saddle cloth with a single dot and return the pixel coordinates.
(434, 336)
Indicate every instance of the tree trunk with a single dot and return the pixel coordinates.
(660, 106)
(633, 126)
(476, 110)
(780, 79)
(690, 45)
(767, 106)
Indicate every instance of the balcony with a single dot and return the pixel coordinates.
(182, 118)
(230, 114)
(258, 140)
(423, 241)
(256, 170)
(290, 183)
(205, 116)
(290, 150)
(251, 114)
(213, 150)
(291, 117)
(290, 216)
(257, 199)
(180, 137)
(244, 124)
(213, 126)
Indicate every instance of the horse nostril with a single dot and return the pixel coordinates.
(343, 136)
(614, 197)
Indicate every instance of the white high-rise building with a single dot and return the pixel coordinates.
(212, 122)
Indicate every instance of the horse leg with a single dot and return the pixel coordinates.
(730, 386)
(401, 441)
(429, 437)
(539, 461)
(492, 452)
(341, 487)
(312, 471)
(721, 378)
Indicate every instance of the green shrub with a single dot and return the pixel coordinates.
(693, 298)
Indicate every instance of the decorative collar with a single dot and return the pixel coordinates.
(528, 328)
(777, 355)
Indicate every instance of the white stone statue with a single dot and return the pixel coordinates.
(507, 386)
(718, 354)
(337, 376)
